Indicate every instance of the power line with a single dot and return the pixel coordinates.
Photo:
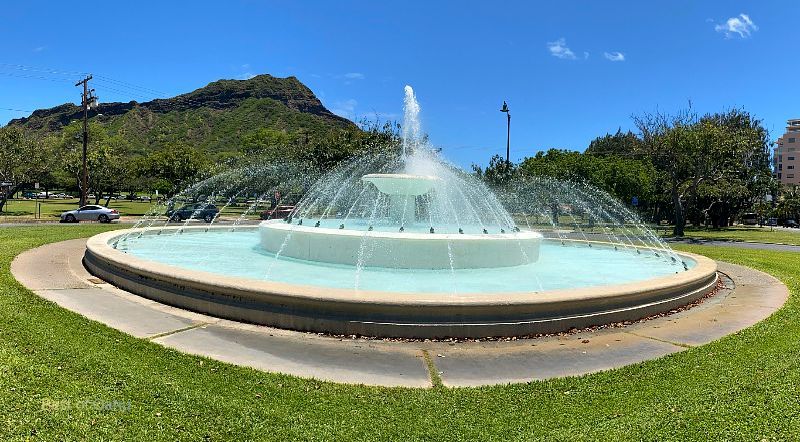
(130, 85)
(40, 69)
(36, 77)
(15, 110)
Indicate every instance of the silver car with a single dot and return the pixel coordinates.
(90, 213)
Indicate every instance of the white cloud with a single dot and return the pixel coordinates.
(248, 74)
(614, 56)
(354, 76)
(39, 48)
(346, 108)
(559, 49)
(740, 25)
(585, 55)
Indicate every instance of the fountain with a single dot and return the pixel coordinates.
(404, 244)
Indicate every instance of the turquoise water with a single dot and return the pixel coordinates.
(559, 267)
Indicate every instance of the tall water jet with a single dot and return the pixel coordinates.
(411, 126)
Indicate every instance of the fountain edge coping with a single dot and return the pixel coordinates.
(99, 246)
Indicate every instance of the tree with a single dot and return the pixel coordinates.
(722, 157)
(620, 144)
(172, 168)
(622, 177)
(23, 160)
(104, 160)
(498, 173)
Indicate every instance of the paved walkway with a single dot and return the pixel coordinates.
(740, 244)
(55, 272)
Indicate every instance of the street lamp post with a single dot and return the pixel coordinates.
(508, 131)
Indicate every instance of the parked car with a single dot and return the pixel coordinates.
(90, 212)
(750, 219)
(771, 222)
(206, 212)
(791, 223)
(277, 212)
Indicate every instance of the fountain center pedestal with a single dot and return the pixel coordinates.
(402, 190)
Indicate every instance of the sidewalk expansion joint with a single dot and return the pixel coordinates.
(179, 330)
(677, 344)
(433, 372)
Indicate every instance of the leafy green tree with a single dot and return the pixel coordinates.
(621, 144)
(172, 168)
(23, 160)
(104, 160)
(721, 159)
(622, 177)
(498, 173)
(788, 206)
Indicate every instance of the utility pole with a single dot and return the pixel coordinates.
(508, 131)
(88, 100)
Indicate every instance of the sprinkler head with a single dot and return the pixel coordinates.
(485, 231)
(300, 223)
(401, 228)
(370, 228)
(638, 252)
(685, 267)
(289, 219)
(460, 230)
(341, 226)
(317, 224)
(431, 229)
(502, 230)
(516, 229)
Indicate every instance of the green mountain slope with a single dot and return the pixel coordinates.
(214, 119)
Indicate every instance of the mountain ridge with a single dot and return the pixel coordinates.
(217, 95)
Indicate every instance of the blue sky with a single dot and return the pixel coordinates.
(570, 71)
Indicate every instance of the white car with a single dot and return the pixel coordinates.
(90, 213)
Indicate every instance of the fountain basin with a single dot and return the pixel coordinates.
(406, 250)
(299, 306)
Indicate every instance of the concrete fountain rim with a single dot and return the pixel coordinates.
(99, 246)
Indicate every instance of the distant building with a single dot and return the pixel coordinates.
(786, 155)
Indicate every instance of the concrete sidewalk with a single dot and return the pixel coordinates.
(55, 272)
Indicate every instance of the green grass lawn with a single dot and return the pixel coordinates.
(56, 366)
(742, 233)
(52, 209)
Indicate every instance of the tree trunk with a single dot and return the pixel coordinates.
(554, 214)
(680, 217)
(5, 196)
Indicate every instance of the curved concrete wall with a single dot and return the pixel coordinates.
(400, 250)
(413, 315)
